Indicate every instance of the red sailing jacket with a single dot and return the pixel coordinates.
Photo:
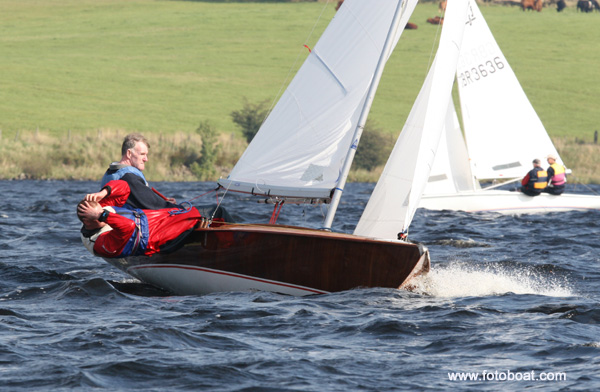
(163, 224)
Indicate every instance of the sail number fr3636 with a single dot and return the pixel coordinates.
(480, 71)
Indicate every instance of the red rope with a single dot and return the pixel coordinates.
(276, 212)
(158, 193)
(280, 207)
(206, 193)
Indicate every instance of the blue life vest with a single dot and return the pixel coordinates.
(138, 242)
(120, 173)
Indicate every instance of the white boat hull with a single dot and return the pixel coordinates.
(190, 280)
(508, 202)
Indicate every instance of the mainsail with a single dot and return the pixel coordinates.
(502, 130)
(398, 192)
(301, 147)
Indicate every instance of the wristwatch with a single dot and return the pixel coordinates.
(103, 216)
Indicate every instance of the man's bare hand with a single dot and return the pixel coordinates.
(96, 196)
(87, 211)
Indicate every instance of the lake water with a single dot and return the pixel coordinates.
(515, 299)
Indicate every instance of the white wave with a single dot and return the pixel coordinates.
(472, 280)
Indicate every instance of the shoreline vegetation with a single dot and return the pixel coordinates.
(85, 156)
(78, 75)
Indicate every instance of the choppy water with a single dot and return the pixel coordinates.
(516, 297)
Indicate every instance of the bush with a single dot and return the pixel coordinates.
(250, 118)
(204, 167)
(373, 149)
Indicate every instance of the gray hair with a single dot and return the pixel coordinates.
(131, 140)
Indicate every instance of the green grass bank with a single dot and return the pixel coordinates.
(77, 75)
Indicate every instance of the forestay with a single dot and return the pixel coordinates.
(502, 130)
(300, 149)
(398, 192)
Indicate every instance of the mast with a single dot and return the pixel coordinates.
(337, 194)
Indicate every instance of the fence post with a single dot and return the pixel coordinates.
(596, 137)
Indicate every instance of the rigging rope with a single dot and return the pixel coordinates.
(183, 209)
(186, 205)
(219, 201)
(438, 33)
(584, 185)
(205, 193)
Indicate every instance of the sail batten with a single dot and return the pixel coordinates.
(331, 71)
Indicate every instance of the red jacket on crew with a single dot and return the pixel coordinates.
(163, 225)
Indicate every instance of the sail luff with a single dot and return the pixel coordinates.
(339, 189)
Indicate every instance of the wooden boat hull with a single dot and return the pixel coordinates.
(284, 259)
(507, 202)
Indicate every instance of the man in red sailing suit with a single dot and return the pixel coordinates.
(111, 231)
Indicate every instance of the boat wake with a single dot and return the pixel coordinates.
(460, 243)
(468, 280)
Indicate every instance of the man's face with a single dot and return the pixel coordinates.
(139, 156)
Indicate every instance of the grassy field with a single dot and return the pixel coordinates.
(162, 67)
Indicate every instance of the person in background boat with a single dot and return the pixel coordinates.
(134, 155)
(557, 176)
(535, 181)
(110, 230)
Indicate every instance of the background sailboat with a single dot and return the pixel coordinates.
(503, 135)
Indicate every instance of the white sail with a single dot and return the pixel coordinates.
(502, 130)
(301, 147)
(398, 192)
(451, 171)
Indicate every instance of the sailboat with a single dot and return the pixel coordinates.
(302, 154)
(503, 136)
